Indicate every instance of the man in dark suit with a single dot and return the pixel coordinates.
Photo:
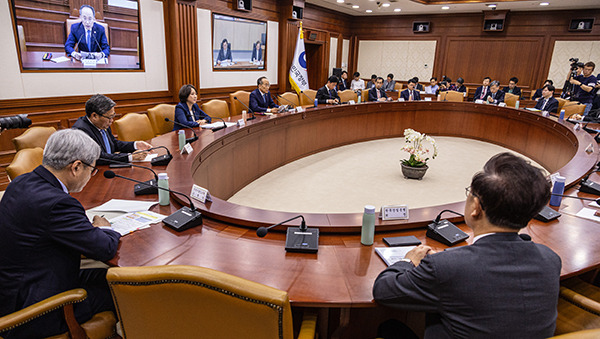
(538, 92)
(99, 115)
(260, 99)
(87, 36)
(502, 285)
(547, 102)
(343, 84)
(481, 91)
(257, 52)
(43, 233)
(512, 87)
(494, 95)
(327, 94)
(377, 93)
(411, 94)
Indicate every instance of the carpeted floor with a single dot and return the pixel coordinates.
(344, 179)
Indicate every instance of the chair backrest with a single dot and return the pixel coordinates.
(157, 115)
(585, 334)
(453, 96)
(216, 108)
(22, 41)
(25, 161)
(348, 95)
(236, 107)
(561, 103)
(71, 21)
(510, 99)
(573, 109)
(311, 94)
(190, 301)
(134, 126)
(365, 95)
(290, 97)
(398, 86)
(33, 137)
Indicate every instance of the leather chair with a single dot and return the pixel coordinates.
(33, 137)
(348, 95)
(510, 99)
(365, 95)
(561, 103)
(22, 41)
(191, 301)
(134, 126)
(576, 311)
(452, 96)
(25, 161)
(236, 107)
(586, 334)
(216, 108)
(311, 94)
(572, 109)
(157, 115)
(290, 98)
(398, 86)
(102, 325)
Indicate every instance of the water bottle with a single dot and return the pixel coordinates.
(558, 188)
(562, 115)
(367, 232)
(517, 104)
(359, 97)
(316, 102)
(181, 134)
(163, 196)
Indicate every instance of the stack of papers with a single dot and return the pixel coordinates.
(392, 255)
(127, 216)
(218, 124)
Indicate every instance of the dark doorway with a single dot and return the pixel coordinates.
(314, 64)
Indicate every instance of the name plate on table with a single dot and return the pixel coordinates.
(400, 99)
(200, 193)
(241, 123)
(89, 62)
(394, 212)
(187, 149)
(427, 99)
(299, 109)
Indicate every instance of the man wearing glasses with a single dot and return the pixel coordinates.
(503, 284)
(43, 233)
(99, 115)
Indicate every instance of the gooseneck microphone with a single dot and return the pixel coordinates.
(182, 219)
(220, 127)
(161, 160)
(188, 140)
(248, 108)
(289, 101)
(444, 231)
(147, 187)
(309, 99)
(298, 239)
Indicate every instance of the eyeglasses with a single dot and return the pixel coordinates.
(469, 191)
(94, 169)
(109, 118)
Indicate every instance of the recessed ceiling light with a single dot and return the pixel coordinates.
(544, 3)
(386, 5)
(369, 11)
(340, 1)
(355, 6)
(445, 7)
(489, 5)
(397, 10)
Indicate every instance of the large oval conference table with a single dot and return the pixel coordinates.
(341, 274)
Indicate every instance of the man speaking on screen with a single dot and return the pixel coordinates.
(88, 37)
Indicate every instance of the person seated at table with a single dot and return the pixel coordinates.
(357, 84)
(389, 84)
(343, 84)
(418, 86)
(260, 99)
(503, 284)
(257, 52)
(512, 87)
(99, 115)
(88, 37)
(377, 93)
(187, 111)
(372, 82)
(44, 231)
(547, 102)
(450, 86)
(461, 87)
(494, 95)
(538, 92)
(481, 91)
(443, 87)
(410, 94)
(224, 52)
(433, 86)
(327, 94)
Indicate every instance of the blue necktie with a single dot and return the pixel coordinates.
(106, 143)
(88, 40)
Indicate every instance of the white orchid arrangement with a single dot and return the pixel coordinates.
(419, 154)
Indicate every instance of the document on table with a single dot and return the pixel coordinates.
(61, 59)
(392, 255)
(148, 158)
(588, 213)
(131, 222)
(120, 205)
(217, 124)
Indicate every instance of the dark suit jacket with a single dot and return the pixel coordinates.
(324, 94)
(258, 103)
(256, 55)
(500, 287)
(498, 97)
(516, 90)
(43, 233)
(225, 54)
(343, 85)
(405, 95)
(478, 92)
(461, 89)
(123, 147)
(97, 40)
(551, 106)
(183, 116)
(373, 93)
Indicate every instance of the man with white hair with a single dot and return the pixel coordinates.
(88, 37)
(43, 233)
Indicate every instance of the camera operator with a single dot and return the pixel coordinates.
(575, 70)
(583, 90)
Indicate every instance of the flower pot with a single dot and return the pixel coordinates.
(413, 172)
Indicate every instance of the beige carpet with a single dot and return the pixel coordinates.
(344, 179)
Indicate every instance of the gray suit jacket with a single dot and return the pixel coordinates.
(502, 286)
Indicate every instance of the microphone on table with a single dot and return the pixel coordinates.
(182, 219)
(248, 108)
(220, 127)
(548, 213)
(444, 231)
(309, 99)
(298, 239)
(161, 160)
(291, 103)
(146, 187)
(98, 44)
(188, 140)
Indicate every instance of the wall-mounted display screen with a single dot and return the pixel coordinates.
(238, 44)
(78, 34)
